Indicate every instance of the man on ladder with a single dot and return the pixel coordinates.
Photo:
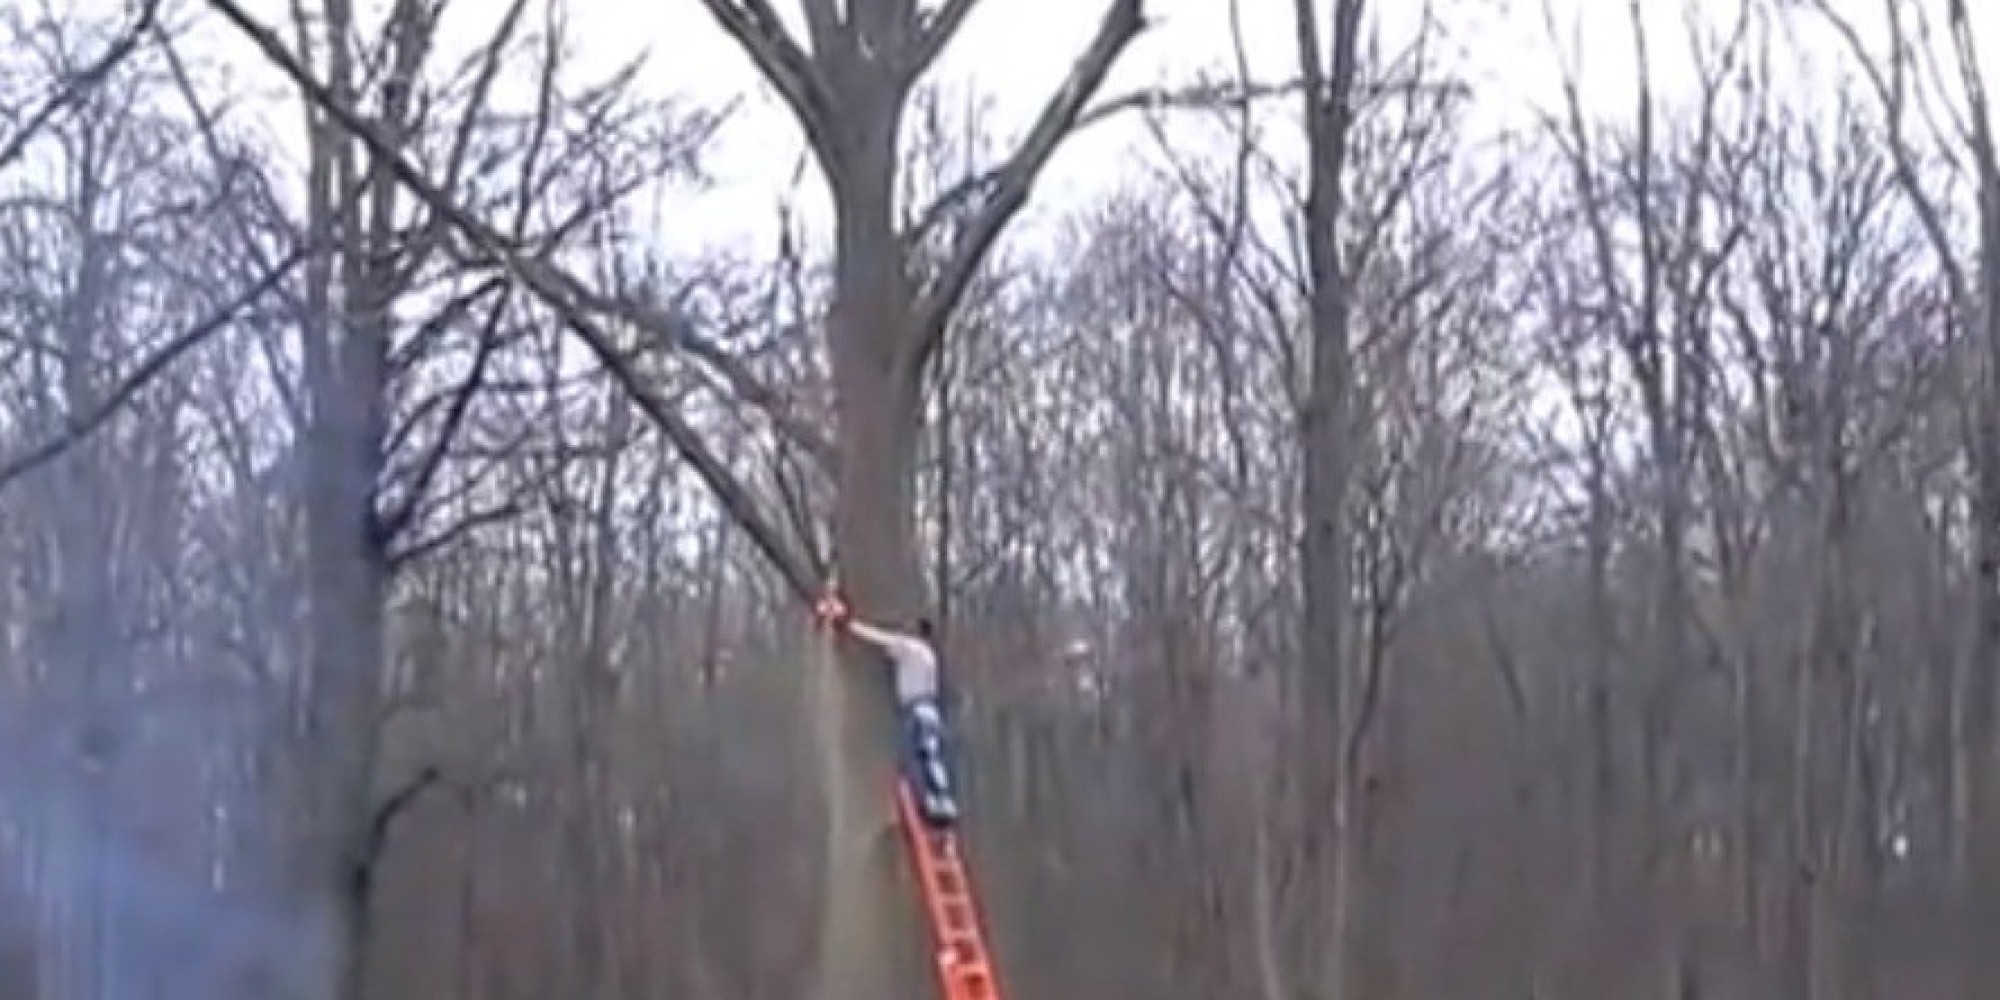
(913, 657)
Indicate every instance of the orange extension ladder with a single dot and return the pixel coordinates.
(964, 965)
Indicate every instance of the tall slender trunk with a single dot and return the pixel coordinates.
(348, 582)
(1602, 763)
(1318, 694)
(347, 565)
(87, 642)
(591, 830)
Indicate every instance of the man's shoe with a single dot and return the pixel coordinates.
(940, 811)
(937, 779)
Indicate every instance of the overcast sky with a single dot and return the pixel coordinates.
(1014, 52)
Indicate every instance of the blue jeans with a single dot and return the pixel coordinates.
(924, 765)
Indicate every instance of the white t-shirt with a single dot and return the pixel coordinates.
(914, 661)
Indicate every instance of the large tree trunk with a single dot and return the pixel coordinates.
(591, 692)
(868, 925)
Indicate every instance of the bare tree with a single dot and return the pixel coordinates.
(848, 85)
(1897, 78)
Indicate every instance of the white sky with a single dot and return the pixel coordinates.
(1014, 52)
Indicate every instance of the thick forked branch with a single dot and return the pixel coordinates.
(1122, 23)
(782, 61)
(937, 31)
(824, 26)
(561, 292)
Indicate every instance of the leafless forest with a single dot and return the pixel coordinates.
(1380, 556)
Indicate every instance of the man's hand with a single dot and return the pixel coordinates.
(832, 611)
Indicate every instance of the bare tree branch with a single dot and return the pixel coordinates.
(564, 294)
(1892, 90)
(394, 523)
(1225, 96)
(675, 331)
(1197, 97)
(81, 427)
(937, 32)
(755, 26)
(363, 872)
(70, 91)
(778, 407)
(1121, 24)
(422, 548)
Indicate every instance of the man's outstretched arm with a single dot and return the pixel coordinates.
(897, 644)
(873, 633)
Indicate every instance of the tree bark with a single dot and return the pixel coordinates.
(346, 355)
(1318, 695)
(868, 918)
